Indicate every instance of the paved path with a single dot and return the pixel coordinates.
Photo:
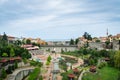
(13, 75)
(81, 75)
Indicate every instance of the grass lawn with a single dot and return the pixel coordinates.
(106, 73)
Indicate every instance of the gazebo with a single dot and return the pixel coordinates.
(93, 69)
(4, 62)
(75, 71)
(71, 77)
(107, 59)
(18, 59)
(11, 60)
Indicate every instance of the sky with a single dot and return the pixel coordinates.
(59, 19)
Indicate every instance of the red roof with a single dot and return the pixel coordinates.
(93, 67)
(75, 70)
(71, 75)
(26, 46)
(107, 59)
(3, 60)
(11, 59)
(15, 58)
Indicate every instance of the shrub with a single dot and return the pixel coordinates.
(102, 64)
(9, 70)
(47, 63)
(41, 78)
(4, 74)
(16, 65)
(34, 75)
(34, 63)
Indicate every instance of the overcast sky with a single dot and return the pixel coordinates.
(59, 19)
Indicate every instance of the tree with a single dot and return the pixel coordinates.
(49, 58)
(91, 62)
(23, 41)
(71, 42)
(34, 75)
(117, 59)
(97, 40)
(28, 41)
(5, 55)
(62, 51)
(18, 42)
(104, 53)
(110, 35)
(107, 43)
(26, 54)
(76, 41)
(4, 37)
(111, 54)
(12, 53)
(4, 40)
(119, 44)
(118, 76)
(87, 36)
(40, 78)
(4, 74)
(47, 63)
(16, 65)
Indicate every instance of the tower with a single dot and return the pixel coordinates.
(107, 32)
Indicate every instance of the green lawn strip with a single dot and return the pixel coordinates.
(106, 73)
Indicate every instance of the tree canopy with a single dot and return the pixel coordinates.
(87, 36)
(28, 41)
(72, 42)
(76, 41)
(117, 59)
(4, 37)
(12, 53)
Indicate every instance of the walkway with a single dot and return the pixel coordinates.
(13, 75)
(81, 75)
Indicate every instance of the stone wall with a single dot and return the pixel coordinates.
(115, 45)
(59, 48)
(20, 73)
(101, 45)
(96, 45)
(23, 74)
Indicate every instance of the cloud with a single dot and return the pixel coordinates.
(3, 2)
(58, 17)
(31, 23)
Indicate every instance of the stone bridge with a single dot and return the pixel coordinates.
(59, 48)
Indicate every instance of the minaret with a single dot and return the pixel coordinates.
(107, 32)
